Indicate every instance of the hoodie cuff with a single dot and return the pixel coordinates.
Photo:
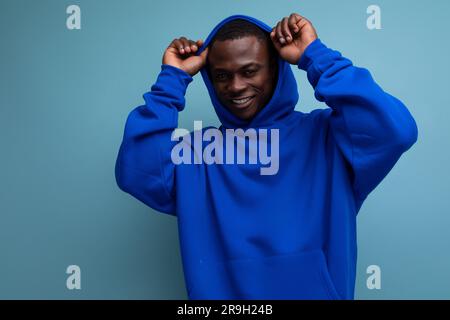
(316, 59)
(171, 85)
(174, 79)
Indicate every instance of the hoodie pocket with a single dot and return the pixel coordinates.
(299, 276)
(295, 276)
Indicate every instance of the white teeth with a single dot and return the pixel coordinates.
(241, 101)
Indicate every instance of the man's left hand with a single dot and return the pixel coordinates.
(291, 36)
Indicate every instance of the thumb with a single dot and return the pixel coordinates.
(195, 63)
(199, 42)
(203, 56)
(200, 60)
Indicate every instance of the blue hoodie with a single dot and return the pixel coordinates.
(291, 235)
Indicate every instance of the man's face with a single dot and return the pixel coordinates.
(243, 75)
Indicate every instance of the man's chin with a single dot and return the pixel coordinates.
(246, 115)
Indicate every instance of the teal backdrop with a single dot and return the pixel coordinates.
(65, 96)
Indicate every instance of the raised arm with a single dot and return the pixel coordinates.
(143, 167)
(371, 127)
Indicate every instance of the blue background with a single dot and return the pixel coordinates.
(64, 98)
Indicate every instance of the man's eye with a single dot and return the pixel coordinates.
(249, 72)
(221, 76)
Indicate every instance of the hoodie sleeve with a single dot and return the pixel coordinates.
(371, 128)
(143, 167)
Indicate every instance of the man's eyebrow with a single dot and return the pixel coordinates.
(247, 65)
(251, 64)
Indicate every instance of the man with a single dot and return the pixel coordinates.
(289, 235)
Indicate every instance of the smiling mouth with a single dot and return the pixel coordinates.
(242, 102)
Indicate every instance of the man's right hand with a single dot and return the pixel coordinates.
(181, 54)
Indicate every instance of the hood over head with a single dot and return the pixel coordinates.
(283, 100)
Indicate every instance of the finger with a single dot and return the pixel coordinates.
(274, 38)
(301, 21)
(178, 45)
(199, 61)
(279, 34)
(285, 30)
(299, 17)
(273, 33)
(293, 19)
(186, 44)
(199, 43)
(203, 56)
(193, 46)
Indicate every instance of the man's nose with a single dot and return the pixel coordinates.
(237, 85)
